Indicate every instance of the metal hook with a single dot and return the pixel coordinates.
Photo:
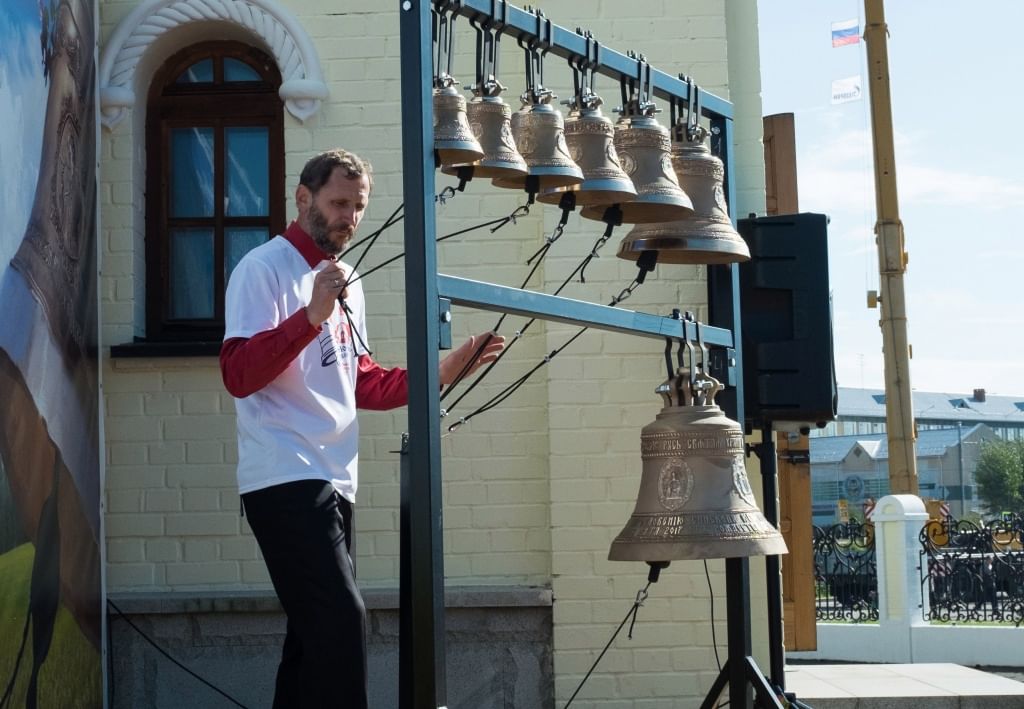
(690, 350)
(694, 131)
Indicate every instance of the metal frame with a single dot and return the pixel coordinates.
(422, 659)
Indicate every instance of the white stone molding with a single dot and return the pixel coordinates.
(302, 87)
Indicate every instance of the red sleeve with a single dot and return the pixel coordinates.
(247, 364)
(378, 388)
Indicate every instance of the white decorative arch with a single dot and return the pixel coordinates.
(302, 87)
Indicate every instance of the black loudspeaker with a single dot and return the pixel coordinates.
(789, 372)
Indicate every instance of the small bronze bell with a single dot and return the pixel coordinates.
(643, 146)
(695, 500)
(705, 236)
(489, 119)
(453, 138)
(539, 132)
(589, 136)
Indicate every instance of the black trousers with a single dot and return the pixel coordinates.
(304, 530)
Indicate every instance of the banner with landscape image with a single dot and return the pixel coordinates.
(51, 597)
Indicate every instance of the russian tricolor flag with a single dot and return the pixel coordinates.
(845, 32)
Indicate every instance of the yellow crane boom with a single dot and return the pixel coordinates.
(892, 262)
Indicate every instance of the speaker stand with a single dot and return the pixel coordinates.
(740, 671)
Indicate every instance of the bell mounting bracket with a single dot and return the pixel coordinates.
(689, 380)
(685, 116)
(584, 68)
(637, 91)
(443, 14)
(487, 55)
(535, 47)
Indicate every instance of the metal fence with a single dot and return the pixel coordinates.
(974, 572)
(845, 572)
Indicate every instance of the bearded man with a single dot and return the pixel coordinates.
(295, 357)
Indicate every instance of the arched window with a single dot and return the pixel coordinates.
(214, 181)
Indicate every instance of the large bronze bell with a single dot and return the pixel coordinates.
(695, 500)
(453, 138)
(705, 236)
(539, 132)
(589, 136)
(489, 119)
(643, 147)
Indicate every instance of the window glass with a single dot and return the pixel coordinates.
(191, 273)
(235, 70)
(192, 172)
(238, 242)
(247, 171)
(199, 73)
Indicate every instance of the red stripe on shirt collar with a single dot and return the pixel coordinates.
(305, 245)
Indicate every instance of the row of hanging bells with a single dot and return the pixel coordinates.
(669, 186)
(695, 500)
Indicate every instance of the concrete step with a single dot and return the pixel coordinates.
(923, 686)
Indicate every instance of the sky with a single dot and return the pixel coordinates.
(22, 90)
(957, 113)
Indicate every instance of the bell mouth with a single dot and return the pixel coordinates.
(683, 250)
(592, 193)
(646, 211)
(547, 178)
(450, 156)
(488, 169)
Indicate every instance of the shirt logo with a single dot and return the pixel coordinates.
(335, 344)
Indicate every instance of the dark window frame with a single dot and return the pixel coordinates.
(218, 105)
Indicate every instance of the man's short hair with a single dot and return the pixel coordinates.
(318, 170)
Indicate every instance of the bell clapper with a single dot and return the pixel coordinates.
(655, 572)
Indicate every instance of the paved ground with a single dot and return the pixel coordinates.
(920, 686)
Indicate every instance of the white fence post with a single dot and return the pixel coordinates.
(898, 521)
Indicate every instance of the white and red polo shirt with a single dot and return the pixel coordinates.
(298, 386)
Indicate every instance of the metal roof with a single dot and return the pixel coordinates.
(931, 443)
(935, 406)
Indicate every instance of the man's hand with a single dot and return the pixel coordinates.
(490, 346)
(327, 286)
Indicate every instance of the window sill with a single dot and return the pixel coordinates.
(166, 349)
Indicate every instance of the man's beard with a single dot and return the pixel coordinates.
(320, 231)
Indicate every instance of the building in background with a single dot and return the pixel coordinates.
(849, 472)
(849, 456)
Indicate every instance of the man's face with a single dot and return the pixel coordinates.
(332, 215)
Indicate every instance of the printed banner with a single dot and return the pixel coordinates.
(51, 596)
(845, 32)
(846, 90)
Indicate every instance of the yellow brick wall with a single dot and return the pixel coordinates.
(535, 490)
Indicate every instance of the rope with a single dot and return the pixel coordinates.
(514, 386)
(494, 223)
(168, 656)
(641, 596)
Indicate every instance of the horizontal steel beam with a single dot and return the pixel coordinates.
(516, 301)
(519, 23)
